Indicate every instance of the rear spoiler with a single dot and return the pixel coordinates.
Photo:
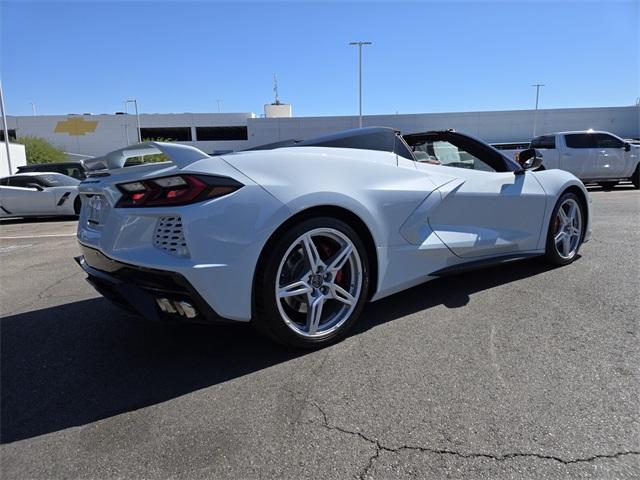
(180, 155)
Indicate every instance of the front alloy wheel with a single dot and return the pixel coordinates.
(566, 230)
(318, 277)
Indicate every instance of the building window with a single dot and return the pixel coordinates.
(12, 135)
(177, 134)
(221, 133)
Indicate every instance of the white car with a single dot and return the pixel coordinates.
(593, 157)
(296, 239)
(39, 194)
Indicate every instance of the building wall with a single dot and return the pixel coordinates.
(492, 127)
(18, 158)
(100, 134)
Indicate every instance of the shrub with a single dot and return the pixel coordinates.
(39, 150)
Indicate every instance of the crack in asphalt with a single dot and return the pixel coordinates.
(380, 447)
(43, 295)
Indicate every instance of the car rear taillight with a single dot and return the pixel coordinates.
(174, 190)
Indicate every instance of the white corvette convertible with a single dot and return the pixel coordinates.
(39, 194)
(296, 237)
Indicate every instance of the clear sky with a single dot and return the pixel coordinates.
(427, 56)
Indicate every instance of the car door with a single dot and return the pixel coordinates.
(483, 212)
(579, 155)
(610, 156)
(18, 198)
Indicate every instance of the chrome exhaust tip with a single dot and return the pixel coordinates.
(186, 309)
(181, 307)
(165, 305)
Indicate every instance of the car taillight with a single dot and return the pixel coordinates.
(174, 190)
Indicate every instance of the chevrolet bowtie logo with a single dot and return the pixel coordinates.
(76, 126)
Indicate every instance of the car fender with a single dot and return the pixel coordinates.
(555, 182)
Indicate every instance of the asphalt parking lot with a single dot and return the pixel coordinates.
(518, 371)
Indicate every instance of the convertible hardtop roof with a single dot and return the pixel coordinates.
(383, 139)
(387, 139)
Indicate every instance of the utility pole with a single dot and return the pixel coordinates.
(33, 107)
(135, 104)
(219, 103)
(535, 113)
(360, 44)
(6, 129)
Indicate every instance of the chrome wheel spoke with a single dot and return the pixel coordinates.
(340, 258)
(297, 288)
(572, 213)
(562, 215)
(340, 294)
(560, 236)
(311, 252)
(566, 245)
(314, 314)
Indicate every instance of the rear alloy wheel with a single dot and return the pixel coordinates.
(314, 285)
(566, 229)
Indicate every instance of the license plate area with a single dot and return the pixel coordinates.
(97, 209)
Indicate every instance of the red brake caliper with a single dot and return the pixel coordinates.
(326, 252)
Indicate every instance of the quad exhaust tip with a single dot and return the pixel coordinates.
(184, 309)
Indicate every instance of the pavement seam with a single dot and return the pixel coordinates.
(380, 447)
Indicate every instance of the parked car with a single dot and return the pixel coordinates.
(297, 239)
(596, 157)
(71, 169)
(39, 194)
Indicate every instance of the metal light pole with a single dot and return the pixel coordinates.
(219, 103)
(360, 44)
(535, 113)
(135, 104)
(33, 107)
(6, 129)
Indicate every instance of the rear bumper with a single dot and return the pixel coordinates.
(143, 290)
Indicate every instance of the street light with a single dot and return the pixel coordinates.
(135, 104)
(360, 44)
(6, 129)
(535, 113)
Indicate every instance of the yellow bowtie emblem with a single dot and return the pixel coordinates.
(76, 126)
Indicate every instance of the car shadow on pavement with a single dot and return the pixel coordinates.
(80, 362)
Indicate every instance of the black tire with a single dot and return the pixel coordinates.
(268, 320)
(552, 255)
(77, 205)
(608, 185)
(635, 178)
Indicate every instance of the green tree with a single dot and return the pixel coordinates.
(39, 150)
(160, 157)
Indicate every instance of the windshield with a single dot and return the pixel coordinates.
(56, 180)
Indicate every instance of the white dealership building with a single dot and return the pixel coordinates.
(90, 134)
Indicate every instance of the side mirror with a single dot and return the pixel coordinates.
(36, 186)
(627, 147)
(529, 159)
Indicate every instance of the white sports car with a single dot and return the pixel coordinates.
(295, 239)
(39, 194)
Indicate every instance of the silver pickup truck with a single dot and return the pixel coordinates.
(598, 157)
